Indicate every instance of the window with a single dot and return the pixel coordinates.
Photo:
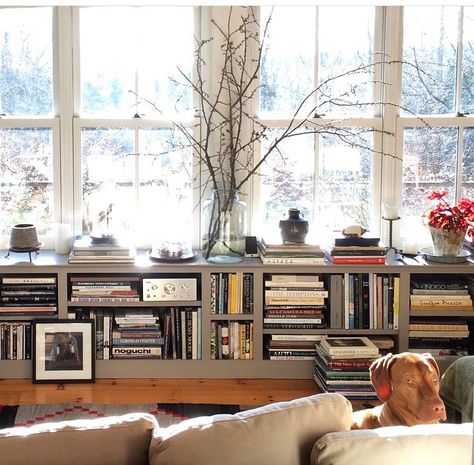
(330, 181)
(27, 124)
(438, 148)
(132, 74)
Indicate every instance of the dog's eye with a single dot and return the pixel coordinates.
(410, 382)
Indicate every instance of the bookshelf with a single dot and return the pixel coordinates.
(257, 366)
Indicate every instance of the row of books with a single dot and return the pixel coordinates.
(15, 340)
(295, 301)
(86, 250)
(145, 333)
(365, 301)
(232, 340)
(104, 289)
(28, 295)
(231, 293)
(284, 253)
(342, 365)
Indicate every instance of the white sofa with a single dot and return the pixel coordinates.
(312, 430)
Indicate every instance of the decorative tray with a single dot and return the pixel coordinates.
(427, 253)
(155, 255)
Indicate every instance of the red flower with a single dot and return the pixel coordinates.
(456, 218)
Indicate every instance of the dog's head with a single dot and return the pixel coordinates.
(409, 384)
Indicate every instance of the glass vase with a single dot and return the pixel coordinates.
(447, 243)
(223, 227)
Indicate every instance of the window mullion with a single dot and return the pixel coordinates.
(459, 59)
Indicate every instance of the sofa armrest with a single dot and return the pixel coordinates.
(443, 444)
(120, 440)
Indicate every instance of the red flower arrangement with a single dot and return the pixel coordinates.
(458, 218)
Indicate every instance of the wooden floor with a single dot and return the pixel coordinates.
(248, 392)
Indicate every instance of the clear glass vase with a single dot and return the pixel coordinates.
(447, 243)
(223, 227)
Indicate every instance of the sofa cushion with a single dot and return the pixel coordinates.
(282, 433)
(121, 440)
(443, 444)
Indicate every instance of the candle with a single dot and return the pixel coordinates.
(62, 238)
(410, 246)
(390, 212)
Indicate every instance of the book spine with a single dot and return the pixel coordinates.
(358, 260)
(29, 280)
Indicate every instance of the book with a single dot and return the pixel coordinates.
(360, 241)
(293, 246)
(357, 251)
(360, 259)
(84, 243)
(297, 337)
(29, 280)
(296, 293)
(438, 333)
(293, 321)
(136, 352)
(439, 283)
(294, 300)
(348, 345)
(292, 260)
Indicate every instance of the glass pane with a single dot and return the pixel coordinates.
(287, 181)
(345, 183)
(26, 171)
(166, 202)
(429, 46)
(467, 88)
(108, 173)
(130, 59)
(160, 80)
(429, 163)
(467, 186)
(341, 54)
(108, 60)
(26, 63)
(287, 74)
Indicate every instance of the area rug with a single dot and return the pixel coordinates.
(166, 414)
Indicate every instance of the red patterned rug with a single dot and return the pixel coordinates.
(166, 414)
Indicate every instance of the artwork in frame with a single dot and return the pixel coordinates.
(63, 351)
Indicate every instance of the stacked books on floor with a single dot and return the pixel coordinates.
(290, 253)
(292, 346)
(295, 302)
(438, 304)
(364, 249)
(136, 334)
(104, 289)
(342, 366)
(85, 250)
(28, 295)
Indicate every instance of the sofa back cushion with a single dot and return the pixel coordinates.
(121, 440)
(443, 444)
(277, 434)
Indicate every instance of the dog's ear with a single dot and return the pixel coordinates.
(380, 376)
(429, 358)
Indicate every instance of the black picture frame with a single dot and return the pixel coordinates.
(63, 351)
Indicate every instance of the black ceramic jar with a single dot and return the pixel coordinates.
(294, 228)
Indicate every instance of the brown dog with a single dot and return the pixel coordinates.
(408, 385)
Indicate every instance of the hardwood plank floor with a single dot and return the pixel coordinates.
(248, 392)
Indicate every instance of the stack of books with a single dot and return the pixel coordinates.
(342, 366)
(28, 295)
(279, 253)
(104, 289)
(84, 250)
(295, 302)
(292, 346)
(358, 250)
(438, 304)
(136, 334)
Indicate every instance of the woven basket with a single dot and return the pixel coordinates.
(23, 236)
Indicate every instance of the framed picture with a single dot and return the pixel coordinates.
(63, 351)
